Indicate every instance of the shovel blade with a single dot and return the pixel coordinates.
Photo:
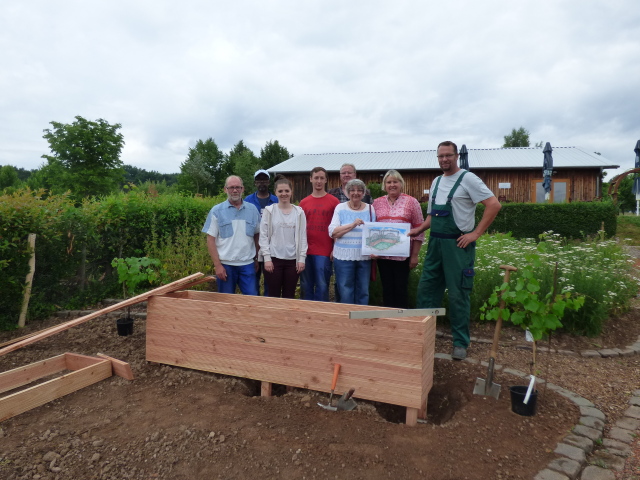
(481, 388)
(347, 404)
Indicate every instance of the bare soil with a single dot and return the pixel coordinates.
(182, 424)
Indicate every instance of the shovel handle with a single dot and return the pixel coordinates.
(336, 371)
(496, 335)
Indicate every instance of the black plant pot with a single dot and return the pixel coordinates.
(517, 401)
(125, 326)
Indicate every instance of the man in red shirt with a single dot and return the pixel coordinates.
(318, 208)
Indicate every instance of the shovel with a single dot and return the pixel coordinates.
(488, 387)
(346, 401)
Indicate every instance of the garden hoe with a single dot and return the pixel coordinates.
(329, 406)
(488, 387)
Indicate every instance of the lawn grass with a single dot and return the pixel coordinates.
(629, 228)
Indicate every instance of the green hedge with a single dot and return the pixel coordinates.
(570, 220)
(108, 227)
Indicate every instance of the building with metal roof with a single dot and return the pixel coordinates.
(513, 174)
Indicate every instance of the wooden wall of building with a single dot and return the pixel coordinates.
(583, 183)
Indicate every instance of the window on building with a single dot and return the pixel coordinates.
(559, 191)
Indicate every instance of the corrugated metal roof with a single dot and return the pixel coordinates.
(529, 157)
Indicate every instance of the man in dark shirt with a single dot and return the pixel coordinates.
(261, 198)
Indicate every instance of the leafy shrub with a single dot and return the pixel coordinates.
(181, 254)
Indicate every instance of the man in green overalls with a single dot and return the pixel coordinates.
(452, 242)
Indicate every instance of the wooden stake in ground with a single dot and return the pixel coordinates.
(171, 287)
(32, 269)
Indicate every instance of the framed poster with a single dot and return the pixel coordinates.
(386, 239)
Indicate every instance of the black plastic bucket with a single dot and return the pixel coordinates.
(517, 401)
(125, 326)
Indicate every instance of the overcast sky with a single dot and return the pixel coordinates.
(320, 75)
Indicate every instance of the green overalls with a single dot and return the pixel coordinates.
(448, 266)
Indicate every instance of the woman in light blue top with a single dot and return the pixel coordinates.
(353, 269)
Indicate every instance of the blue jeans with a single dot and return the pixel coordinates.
(352, 280)
(243, 276)
(315, 278)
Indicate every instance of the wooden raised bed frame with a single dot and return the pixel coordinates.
(296, 343)
(85, 371)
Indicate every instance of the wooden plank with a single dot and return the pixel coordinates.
(17, 339)
(177, 285)
(295, 353)
(182, 310)
(75, 361)
(400, 312)
(365, 342)
(370, 381)
(266, 389)
(24, 375)
(209, 278)
(120, 368)
(256, 301)
(38, 395)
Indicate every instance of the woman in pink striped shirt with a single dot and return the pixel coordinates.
(398, 207)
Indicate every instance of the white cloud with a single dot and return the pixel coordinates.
(320, 76)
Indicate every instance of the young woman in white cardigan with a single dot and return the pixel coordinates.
(283, 242)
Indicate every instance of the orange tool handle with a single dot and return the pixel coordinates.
(336, 370)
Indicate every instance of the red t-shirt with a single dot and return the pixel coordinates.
(319, 212)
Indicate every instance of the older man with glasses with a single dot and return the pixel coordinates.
(233, 230)
(451, 251)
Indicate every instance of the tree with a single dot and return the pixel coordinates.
(272, 154)
(195, 170)
(138, 176)
(89, 152)
(52, 176)
(204, 160)
(244, 164)
(517, 138)
(8, 177)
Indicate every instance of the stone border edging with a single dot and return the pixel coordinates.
(628, 351)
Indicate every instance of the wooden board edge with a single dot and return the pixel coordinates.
(20, 376)
(120, 368)
(76, 361)
(38, 395)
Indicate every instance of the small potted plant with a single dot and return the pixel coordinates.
(132, 272)
(536, 311)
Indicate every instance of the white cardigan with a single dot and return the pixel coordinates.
(266, 230)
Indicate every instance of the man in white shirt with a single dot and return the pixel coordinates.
(232, 239)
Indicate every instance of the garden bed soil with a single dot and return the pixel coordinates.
(183, 424)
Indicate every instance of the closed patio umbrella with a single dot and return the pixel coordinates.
(547, 170)
(636, 180)
(464, 157)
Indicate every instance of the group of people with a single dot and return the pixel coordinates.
(266, 234)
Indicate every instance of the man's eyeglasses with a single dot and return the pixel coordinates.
(235, 188)
(448, 156)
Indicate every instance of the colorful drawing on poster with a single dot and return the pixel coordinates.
(386, 239)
